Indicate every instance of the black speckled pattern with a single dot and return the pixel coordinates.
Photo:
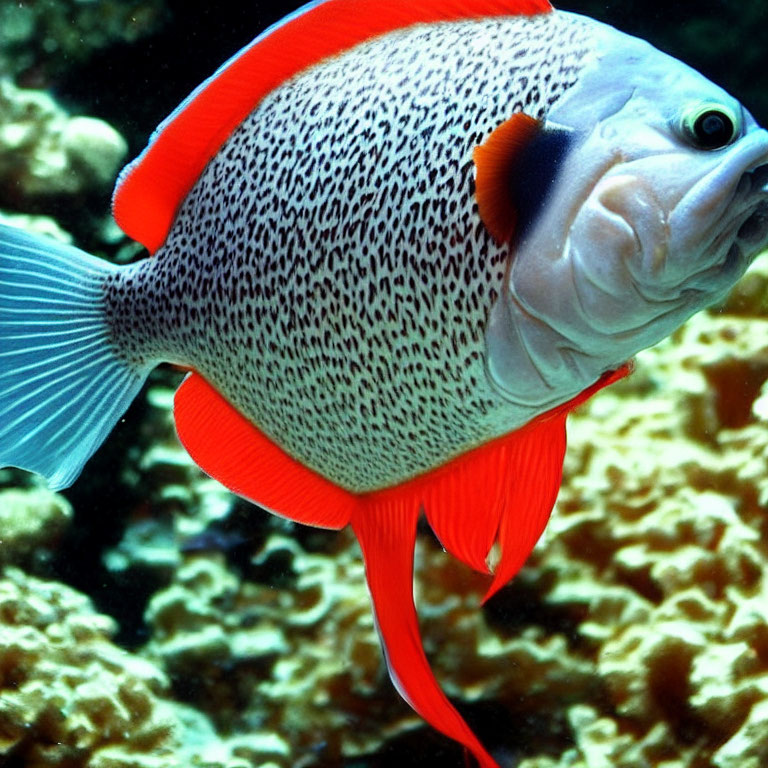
(329, 272)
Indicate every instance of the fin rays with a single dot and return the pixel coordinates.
(70, 290)
(62, 385)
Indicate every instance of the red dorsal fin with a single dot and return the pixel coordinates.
(495, 162)
(153, 186)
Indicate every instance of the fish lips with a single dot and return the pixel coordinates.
(723, 220)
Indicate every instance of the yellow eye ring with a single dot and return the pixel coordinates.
(711, 125)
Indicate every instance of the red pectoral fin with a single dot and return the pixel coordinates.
(386, 530)
(230, 449)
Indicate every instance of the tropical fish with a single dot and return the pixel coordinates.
(395, 243)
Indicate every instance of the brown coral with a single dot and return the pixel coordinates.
(658, 546)
(68, 696)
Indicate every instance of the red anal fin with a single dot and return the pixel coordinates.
(229, 448)
(153, 186)
(495, 162)
(386, 530)
(503, 489)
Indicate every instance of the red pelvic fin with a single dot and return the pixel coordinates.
(534, 465)
(386, 530)
(229, 448)
(153, 186)
(463, 502)
(495, 162)
(501, 491)
(534, 468)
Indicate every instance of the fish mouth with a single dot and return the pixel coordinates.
(753, 231)
(729, 192)
(743, 237)
(751, 236)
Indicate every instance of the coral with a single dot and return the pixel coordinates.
(40, 225)
(183, 500)
(291, 664)
(45, 152)
(635, 636)
(29, 520)
(284, 665)
(657, 549)
(68, 696)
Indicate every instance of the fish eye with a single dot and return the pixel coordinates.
(710, 126)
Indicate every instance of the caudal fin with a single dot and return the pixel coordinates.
(62, 384)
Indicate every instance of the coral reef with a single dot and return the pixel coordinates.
(45, 152)
(41, 225)
(30, 520)
(287, 665)
(68, 696)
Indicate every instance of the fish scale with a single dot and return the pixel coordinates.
(358, 346)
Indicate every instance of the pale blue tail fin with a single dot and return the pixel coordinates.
(63, 386)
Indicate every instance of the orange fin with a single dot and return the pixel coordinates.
(153, 186)
(502, 490)
(515, 168)
(386, 530)
(535, 465)
(495, 162)
(229, 448)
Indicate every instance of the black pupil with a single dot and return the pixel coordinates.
(713, 130)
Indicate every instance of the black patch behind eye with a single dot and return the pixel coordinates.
(535, 173)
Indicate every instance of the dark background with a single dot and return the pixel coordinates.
(136, 85)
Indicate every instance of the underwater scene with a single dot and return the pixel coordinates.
(151, 618)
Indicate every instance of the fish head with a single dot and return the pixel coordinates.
(658, 207)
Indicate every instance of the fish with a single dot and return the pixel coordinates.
(394, 244)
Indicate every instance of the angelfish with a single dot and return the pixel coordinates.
(395, 243)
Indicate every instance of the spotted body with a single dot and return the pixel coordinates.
(395, 242)
(329, 272)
